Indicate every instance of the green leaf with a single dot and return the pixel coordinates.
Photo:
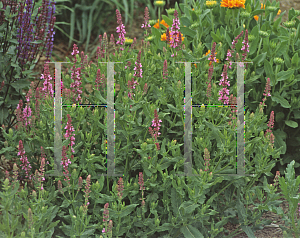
(98, 96)
(291, 124)
(283, 75)
(188, 207)
(167, 20)
(20, 84)
(191, 232)
(127, 210)
(3, 115)
(260, 58)
(281, 48)
(185, 22)
(188, 32)
(268, 69)
(279, 99)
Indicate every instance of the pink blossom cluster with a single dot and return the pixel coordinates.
(120, 30)
(138, 73)
(156, 125)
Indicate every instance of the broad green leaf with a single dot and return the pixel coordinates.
(268, 69)
(291, 124)
(191, 232)
(283, 75)
(259, 59)
(167, 20)
(188, 32)
(279, 99)
(127, 210)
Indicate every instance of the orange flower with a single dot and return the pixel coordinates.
(193, 9)
(256, 17)
(164, 37)
(233, 3)
(161, 22)
(208, 53)
(279, 11)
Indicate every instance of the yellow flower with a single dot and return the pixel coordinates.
(262, 6)
(279, 11)
(161, 22)
(233, 3)
(256, 17)
(193, 9)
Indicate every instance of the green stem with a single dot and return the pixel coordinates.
(259, 46)
(212, 21)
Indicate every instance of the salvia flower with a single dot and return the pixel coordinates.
(224, 92)
(87, 192)
(79, 183)
(65, 163)
(59, 185)
(156, 125)
(174, 32)
(245, 47)
(120, 187)
(120, 30)
(69, 129)
(266, 94)
(47, 85)
(165, 69)
(106, 213)
(146, 18)
(25, 163)
(207, 159)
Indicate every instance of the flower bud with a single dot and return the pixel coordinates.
(261, 134)
(23, 234)
(152, 22)
(157, 221)
(263, 34)
(195, 25)
(173, 142)
(81, 209)
(251, 38)
(170, 11)
(273, 45)
(278, 61)
(96, 186)
(211, 4)
(41, 124)
(5, 144)
(244, 14)
(10, 132)
(150, 38)
(253, 74)
(144, 146)
(74, 174)
(271, 8)
(74, 216)
(251, 115)
(148, 141)
(159, 3)
(289, 24)
(34, 193)
(179, 84)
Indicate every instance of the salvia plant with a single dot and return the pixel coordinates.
(152, 199)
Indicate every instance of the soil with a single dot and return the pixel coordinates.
(60, 48)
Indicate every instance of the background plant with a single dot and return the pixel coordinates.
(19, 35)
